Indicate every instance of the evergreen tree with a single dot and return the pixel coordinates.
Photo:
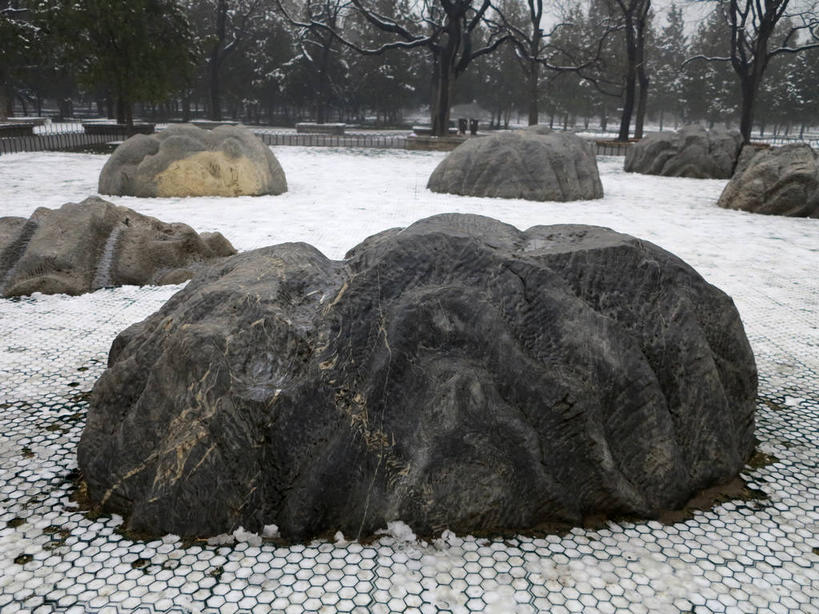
(756, 32)
(20, 40)
(709, 89)
(137, 50)
(383, 83)
(668, 72)
(806, 80)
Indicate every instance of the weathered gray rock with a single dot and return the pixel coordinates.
(528, 164)
(457, 373)
(184, 160)
(693, 151)
(94, 244)
(778, 181)
(747, 154)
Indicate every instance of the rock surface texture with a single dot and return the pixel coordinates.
(778, 181)
(189, 161)
(458, 374)
(94, 244)
(693, 151)
(524, 164)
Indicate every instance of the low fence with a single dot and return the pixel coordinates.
(73, 139)
(54, 142)
(376, 141)
(57, 137)
(611, 148)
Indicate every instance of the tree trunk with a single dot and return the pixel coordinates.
(214, 90)
(631, 83)
(10, 105)
(322, 100)
(533, 78)
(440, 108)
(64, 105)
(215, 61)
(642, 101)
(4, 113)
(120, 109)
(748, 91)
(443, 92)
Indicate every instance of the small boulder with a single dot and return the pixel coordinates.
(458, 373)
(527, 164)
(184, 160)
(777, 181)
(693, 151)
(94, 244)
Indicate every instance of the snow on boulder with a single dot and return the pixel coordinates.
(527, 164)
(778, 181)
(458, 373)
(184, 160)
(94, 244)
(693, 151)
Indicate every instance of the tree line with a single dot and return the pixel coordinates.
(754, 63)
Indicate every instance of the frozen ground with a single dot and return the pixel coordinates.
(759, 556)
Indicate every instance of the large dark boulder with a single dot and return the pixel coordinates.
(457, 373)
(184, 160)
(529, 164)
(693, 151)
(778, 181)
(94, 244)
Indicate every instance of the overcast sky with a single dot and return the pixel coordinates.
(693, 10)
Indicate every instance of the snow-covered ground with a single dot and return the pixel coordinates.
(738, 557)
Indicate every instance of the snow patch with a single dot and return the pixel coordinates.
(270, 531)
(399, 531)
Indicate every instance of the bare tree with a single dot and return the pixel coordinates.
(635, 16)
(585, 58)
(319, 45)
(447, 29)
(752, 25)
(536, 50)
(232, 20)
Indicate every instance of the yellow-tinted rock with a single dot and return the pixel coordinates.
(210, 173)
(187, 161)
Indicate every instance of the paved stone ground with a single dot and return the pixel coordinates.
(741, 556)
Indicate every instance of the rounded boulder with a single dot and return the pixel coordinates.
(184, 160)
(82, 247)
(458, 373)
(530, 164)
(777, 181)
(692, 151)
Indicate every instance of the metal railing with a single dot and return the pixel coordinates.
(53, 142)
(66, 140)
(377, 141)
(59, 137)
(71, 135)
(610, 148)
